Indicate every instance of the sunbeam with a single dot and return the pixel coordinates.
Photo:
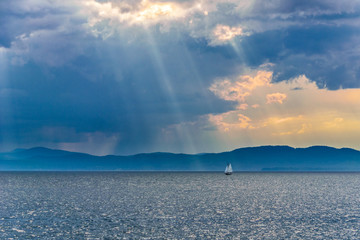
(164, 80)
(140, 76)
(6, 131)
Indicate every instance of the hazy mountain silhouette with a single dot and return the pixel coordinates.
(264, 158)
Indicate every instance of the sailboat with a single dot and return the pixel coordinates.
(228, 169)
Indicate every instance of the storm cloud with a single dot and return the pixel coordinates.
(123, 77)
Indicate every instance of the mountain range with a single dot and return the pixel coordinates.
(263, 158)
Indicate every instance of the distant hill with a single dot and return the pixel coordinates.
(264, 158)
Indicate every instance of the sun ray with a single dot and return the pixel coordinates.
(5, 107)
(164, 80)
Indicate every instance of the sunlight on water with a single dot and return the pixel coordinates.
(179, 206)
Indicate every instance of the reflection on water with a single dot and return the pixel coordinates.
(179, 205)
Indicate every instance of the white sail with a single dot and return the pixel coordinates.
(228, 169)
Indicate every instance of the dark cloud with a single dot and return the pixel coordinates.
(132, 103)
(305, 7)
(323, 53)
(72, 79)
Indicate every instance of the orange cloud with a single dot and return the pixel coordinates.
(243, 106)
(335, 123)
(281, 120)
(244, 121)
(242, 87)
(275, 98)
(308, 116)
(230, 121)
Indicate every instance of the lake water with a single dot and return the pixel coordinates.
(179, 206)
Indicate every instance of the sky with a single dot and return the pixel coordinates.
(190, 76)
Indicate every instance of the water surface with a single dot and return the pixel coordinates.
(118, 205)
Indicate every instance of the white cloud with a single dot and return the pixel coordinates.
(222, 34)
(145, 13)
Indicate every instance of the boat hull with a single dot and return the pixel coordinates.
(228, 173)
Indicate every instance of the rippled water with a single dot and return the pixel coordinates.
(179, 205)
